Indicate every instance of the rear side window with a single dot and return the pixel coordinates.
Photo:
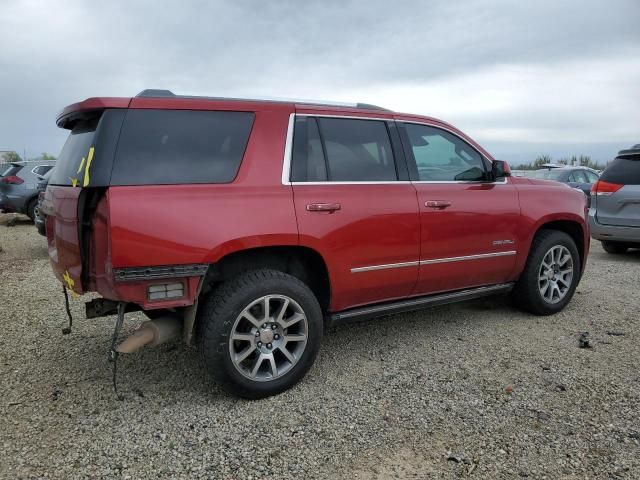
(42, 169)
(70, 164)
(625, 171)
(578, 176)
(357, 150)
(180, 146)
(9, 170)
(341, 150)
(591, 176)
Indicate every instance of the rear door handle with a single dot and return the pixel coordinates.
(437, 204)
(323, 207)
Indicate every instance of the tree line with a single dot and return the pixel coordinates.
(11, 157)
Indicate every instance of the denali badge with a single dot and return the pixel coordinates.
(503, 242)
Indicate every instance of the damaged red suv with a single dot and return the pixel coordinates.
(247, 227)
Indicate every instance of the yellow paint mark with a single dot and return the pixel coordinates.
(70, 283)
(74, 182)
(86, 170)
(81, 165)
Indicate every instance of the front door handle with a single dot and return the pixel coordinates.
(437, 204)
(323, 207)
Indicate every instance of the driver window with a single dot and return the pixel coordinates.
(441, 156)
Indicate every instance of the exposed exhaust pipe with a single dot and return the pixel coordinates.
(152, 333)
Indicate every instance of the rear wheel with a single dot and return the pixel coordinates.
(614, 247)
(31, 209)
(260, 332)
(551, 274)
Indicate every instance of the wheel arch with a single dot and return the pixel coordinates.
(574, 227)
(304, 263)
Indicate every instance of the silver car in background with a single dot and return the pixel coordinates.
(614, 216)
(18, 185)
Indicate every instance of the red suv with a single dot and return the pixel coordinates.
(249, 226)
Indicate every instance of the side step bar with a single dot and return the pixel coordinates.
(408, 305)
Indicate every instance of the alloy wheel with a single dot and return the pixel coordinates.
(268, 338)
(555, 274)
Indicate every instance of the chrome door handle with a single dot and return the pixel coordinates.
(323, 207)
(437, 204)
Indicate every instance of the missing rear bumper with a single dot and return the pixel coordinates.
(102, 307)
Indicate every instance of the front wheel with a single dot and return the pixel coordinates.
(260, 332)
(551, 274)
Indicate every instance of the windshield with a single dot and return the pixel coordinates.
(552, 174)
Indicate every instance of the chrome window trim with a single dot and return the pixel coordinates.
(348, 117)
(288, 152)
(397, 182)
(432, 261)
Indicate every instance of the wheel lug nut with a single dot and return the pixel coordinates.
(269, 345)
(276, 336)
(273, 326)
(257, 334)
(259, 344)
(264, 325)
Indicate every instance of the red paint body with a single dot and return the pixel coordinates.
(377, 224)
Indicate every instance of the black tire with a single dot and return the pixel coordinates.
(217, 316)
(526, 293)
(615, 248)
(31, 209)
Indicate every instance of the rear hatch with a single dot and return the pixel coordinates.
(79, 180)
(616, 196)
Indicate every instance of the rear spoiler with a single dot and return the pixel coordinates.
(87, 109)
(630, 152)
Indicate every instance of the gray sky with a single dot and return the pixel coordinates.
(522, 77)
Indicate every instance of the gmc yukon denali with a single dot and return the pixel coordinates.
(249, 226)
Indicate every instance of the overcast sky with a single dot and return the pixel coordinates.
(522, 77)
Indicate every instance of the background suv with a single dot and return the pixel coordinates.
(18, 185)
(581, 178)
(614, 216)
(249, 226)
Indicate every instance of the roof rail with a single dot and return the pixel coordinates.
(160, 93)
(155, 93)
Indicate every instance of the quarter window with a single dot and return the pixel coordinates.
(441, 156)
(180, 146)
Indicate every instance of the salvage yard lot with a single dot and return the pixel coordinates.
(476, 390)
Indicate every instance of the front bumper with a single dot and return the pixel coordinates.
(612, 233)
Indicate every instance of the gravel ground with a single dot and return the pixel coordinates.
(473, 390)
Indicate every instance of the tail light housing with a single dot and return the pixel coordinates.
(12, 180)
(605, 188)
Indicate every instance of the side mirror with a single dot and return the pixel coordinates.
(499, 170)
